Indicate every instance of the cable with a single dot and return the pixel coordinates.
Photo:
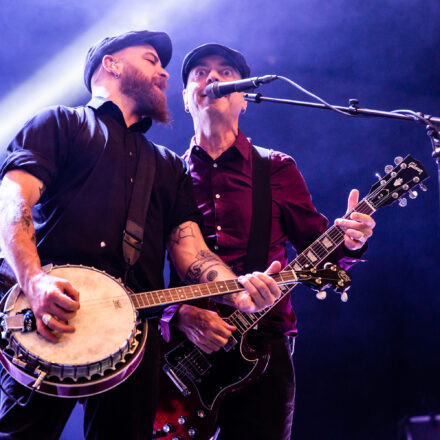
(322, 101)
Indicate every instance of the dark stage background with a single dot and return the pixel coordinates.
(364, 365)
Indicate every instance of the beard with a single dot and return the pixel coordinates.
(149, 100)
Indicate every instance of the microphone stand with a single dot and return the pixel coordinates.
(432, 130)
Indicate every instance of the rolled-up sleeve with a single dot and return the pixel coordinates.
(40, 146)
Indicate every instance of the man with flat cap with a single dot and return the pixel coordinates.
(248, 219)
(68, 181)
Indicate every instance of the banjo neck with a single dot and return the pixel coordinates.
(145, 300)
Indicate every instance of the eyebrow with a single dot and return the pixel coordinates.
(222, 64)
(156, 58)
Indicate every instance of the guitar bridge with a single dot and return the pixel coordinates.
(176, 381)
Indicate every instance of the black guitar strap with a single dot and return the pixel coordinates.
(259, 237)
(133, 235)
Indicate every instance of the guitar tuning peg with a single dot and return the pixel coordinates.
(389, 168)
(321, 295)
(413, 194)
(378, 176)
(331, 266)
(423, 187)
(344, 297)
(403, 202)
(398, 160)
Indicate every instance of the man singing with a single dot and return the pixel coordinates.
(221, 160)
(65, 196)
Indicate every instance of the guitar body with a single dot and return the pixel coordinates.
(204, 379)
(210, 376)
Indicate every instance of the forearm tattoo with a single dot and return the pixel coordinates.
(22, 219)
(179, 233)
(205, 263)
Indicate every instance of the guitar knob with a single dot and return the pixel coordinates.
(389, 168)
(398, 160)
(413, 194)
(192, 432)
(168, 428)
(201, 414)
(403, 202)
(182, 420)
(321, 295)
(344, 297)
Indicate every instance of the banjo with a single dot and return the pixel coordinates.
(110, 339)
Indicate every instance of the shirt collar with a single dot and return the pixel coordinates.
(242, 144)
(104, 104)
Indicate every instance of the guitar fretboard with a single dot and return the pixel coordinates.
(317, 252)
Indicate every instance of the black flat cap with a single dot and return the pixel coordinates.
(159, 40)
(233, 56)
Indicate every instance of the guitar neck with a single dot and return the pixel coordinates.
(145, 300)
(317, 252)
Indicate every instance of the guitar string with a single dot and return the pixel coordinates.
(335, 235)
(363, 207)
(184, 365)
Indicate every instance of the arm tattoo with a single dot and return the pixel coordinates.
(204, 263)
(178, 233)
(24, 218)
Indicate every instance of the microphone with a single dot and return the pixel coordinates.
(218, 89)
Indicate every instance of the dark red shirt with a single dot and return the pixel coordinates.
(223, 191)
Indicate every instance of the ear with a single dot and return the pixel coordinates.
(244, 106)
(185, 100)
(109, 64)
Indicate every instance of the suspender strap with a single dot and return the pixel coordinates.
(259, 237)
(140, 199)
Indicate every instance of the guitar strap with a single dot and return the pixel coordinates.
(259, 236)
(133, 235)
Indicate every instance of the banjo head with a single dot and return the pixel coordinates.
(105, 328)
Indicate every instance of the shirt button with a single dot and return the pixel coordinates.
(217, 196)
(103, 244)
(131, 180)
(219, 228)
(214, 165)
(215, 247)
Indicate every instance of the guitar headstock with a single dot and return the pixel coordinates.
(320, 279)
(399, 180)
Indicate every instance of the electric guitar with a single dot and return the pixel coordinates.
(190, 408)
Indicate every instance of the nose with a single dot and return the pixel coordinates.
(212, 77)
(163, 73)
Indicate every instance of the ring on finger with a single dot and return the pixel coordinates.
(46, 318)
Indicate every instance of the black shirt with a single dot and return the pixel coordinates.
(86, 157)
